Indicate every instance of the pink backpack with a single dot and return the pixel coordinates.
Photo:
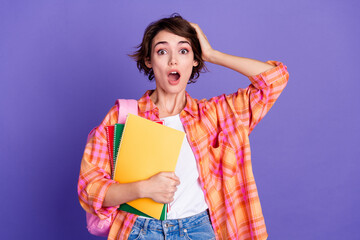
(95, 225)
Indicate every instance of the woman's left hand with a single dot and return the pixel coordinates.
(206, 48)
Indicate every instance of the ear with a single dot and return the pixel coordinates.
(195, 63)
(148, 63)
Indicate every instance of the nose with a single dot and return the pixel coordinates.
(172, 60)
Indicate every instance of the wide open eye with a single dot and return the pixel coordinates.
(161, 52)
(184, 51)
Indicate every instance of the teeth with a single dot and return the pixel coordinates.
(173, 73)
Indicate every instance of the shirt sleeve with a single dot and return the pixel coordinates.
(95, 170)
(252, 103)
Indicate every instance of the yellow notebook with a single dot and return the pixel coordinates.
(146, 148)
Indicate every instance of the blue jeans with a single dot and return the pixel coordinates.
(195, 227)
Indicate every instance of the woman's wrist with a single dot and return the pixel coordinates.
(212, 56)
(141, 188)
(119, 193)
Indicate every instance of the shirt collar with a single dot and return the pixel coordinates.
(191, 105)
(146, 104)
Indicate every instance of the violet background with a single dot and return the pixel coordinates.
(63, 64)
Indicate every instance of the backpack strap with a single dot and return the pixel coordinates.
(126, 106)
(95, 225)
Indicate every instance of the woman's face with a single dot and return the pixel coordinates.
(172, 60)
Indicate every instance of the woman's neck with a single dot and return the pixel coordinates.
(168, 104)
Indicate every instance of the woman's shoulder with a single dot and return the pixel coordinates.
(217, 101)
(222, 105)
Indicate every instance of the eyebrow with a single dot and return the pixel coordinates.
(164, 42)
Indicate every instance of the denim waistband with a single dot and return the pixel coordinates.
(172, 224)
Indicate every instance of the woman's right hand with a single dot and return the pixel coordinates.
(206, 49)
(161, 187)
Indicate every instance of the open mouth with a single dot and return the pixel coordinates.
(174, 76)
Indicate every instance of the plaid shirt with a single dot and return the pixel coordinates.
(217, 131)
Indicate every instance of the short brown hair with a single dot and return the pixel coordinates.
(176, 25)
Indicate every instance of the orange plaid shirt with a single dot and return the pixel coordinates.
(217, 131)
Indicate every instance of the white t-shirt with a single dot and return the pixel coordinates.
(189, 198)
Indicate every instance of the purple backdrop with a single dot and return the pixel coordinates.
(63, 64)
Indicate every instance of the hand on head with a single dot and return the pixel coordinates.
(204, 43)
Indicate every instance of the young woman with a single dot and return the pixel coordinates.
(212, 192)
